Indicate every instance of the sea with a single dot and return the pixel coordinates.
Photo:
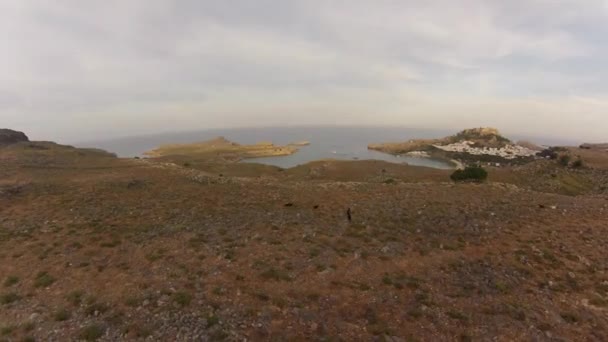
(326, 142)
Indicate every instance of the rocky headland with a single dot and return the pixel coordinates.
(477, 145)
(221, 149)
(8, 136)
(603, 147)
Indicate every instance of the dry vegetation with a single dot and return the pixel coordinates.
(98, 248)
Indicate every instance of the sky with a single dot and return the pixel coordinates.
(80, 70)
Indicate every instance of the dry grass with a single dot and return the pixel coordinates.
(423, 258)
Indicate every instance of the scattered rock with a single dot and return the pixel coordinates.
(11, 190)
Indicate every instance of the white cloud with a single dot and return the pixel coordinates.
(141, 66)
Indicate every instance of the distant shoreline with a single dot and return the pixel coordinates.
(424, 155)
(351, 142)
(470, 146)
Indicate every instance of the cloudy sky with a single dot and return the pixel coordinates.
(75, 70)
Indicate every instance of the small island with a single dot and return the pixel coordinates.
(476, 145)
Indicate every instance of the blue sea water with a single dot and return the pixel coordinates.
(343, 143)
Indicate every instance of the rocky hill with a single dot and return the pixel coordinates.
(481, 137)
(8, 136)
(468, 146)
(220, 149)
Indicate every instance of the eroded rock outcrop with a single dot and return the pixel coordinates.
(8, 136)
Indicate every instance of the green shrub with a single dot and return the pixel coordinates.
(91, 333)
(62, 315)
(457, 315)
(75, 297)
(29, 326)
(8, 330)
(470, 173)
(549, 153)
(277, 275)
(570, 317)
(212, 320)
(564, 159)
(182, 298)
(10, 281)
(578, 163)
(43, 279)
(9, 298)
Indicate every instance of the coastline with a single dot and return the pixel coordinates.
(425, 155)
(221, 149)
(311, 156)
(470, 146)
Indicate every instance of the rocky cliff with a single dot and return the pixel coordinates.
(8, 136)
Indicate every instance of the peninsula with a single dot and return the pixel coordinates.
(221, 149)
(475, 145)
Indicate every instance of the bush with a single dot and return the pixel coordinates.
(552, 152)
(75, 297)
(62, 315)
(564, 159)
(547, 153)
(91, 333)
(277, 275)
(10, 281)
(182, 298)
(212, 320)
(9, 298)
(470, 173)
(43, 279)
(8, 330)
(578, 163)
